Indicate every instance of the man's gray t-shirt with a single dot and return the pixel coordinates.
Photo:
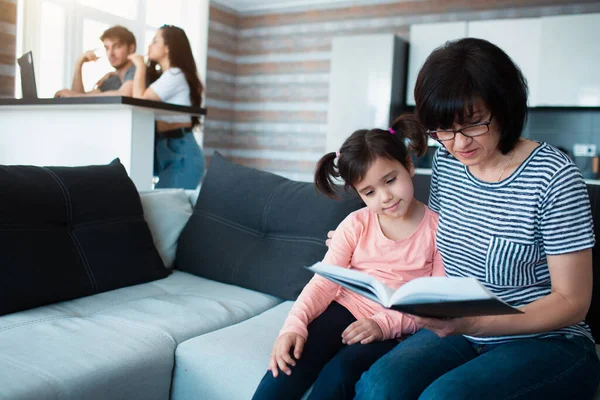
(114, 82)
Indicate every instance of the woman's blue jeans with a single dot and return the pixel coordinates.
(426, 366)
(178, 162)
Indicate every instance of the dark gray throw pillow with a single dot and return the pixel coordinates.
(68, 232)
(258, 230)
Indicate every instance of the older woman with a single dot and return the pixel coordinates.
(515, 214)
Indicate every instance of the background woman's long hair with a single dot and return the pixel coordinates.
(180, 56)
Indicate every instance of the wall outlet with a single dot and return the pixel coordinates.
(584, 150)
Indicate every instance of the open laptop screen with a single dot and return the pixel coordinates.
(28, 86)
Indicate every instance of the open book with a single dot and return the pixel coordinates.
(432, 296)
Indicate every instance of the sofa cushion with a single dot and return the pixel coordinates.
(593, 315)
(68, 232)
(79, 358)
(118, 344)
(204, 365)
(259, 228)
(166, 211)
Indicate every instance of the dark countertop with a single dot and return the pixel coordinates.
(92, 100)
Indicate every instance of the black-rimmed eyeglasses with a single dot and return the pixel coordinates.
(474, 130)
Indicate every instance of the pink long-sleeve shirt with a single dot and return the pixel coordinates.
(359, 243)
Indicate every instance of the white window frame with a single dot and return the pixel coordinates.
(194, 20)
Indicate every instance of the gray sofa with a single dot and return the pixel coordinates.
(121, 344)
(181, 337)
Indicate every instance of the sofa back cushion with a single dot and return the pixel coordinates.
(68, 232)
(258, 230)
(593, 316)
(166, 211)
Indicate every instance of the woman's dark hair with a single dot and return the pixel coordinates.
(363, 147)
(180, 56)
(458, 74)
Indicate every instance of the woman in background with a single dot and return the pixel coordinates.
(178, 159)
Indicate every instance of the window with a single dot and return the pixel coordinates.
(93, 71)
(157, 13)
(59, 31)
(52, 32)
(125, 8)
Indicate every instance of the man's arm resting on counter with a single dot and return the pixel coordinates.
(125, 90)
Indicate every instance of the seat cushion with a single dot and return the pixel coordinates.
(63, 235)
(206, 365)
(260, 229)
(118, 344)
(78, 358)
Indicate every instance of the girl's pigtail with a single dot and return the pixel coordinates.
(408, 126)
(325, 173)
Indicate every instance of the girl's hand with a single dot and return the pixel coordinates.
(136, 59)
(446, 327)
(280, 355)
(329, 236)
(364, 330)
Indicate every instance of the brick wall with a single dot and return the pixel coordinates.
(268, 75)
(8, 42)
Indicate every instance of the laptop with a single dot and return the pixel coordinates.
(28, 86)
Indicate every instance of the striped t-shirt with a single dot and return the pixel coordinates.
(501, 233)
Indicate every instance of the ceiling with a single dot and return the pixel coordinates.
(262, 6)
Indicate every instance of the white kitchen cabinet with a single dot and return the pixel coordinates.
(424, 38)
(570, 61)
(366, 84)
(521, 40)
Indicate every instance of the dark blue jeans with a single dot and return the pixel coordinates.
(178, 162)
(426, 366)
(332, 366)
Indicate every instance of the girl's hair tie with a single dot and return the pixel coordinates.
(393, 132)
(337, 154)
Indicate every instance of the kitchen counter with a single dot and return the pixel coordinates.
(84, 131)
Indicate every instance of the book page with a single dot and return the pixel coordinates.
(356, 281)
(440, 289)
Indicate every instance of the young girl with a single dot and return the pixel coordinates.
(392, 239)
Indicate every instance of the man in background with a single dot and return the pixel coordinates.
(118, 42)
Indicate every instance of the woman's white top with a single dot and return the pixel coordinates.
(172, 88)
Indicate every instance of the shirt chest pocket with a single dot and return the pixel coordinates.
(510, 263)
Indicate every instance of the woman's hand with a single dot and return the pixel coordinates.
(280, 355)
(137, 60)
(446, 327)
(329, 236)
(364, 330)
